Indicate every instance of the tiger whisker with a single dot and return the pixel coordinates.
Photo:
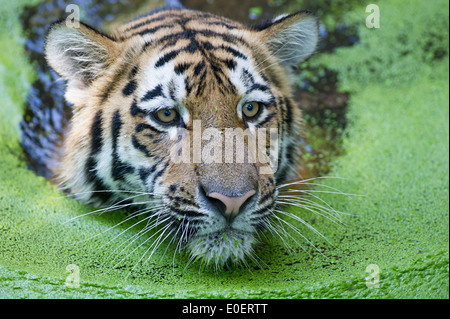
(328, 192)
(271, 55)
(255, 259)
(285, 60)
(132, 226)
(290, 250)
(309, 226)
(296, 182)
(75, 194)
(113, 207)
(180, 241)
(142, 232)
(325, 214)
(328, 209)
(310, 184)
(142, 212)
(273, 230)
(155, 244)
(328, 205)
(298, 232)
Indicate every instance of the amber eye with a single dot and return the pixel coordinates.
(251, 109)
(166, 116)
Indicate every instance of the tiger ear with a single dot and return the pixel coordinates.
(78, 54)
(292, 37)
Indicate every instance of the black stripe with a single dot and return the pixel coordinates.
(207, 46)
(290, 152)
(139, 146)
(162, 170)
(205, 15)
(267, 196)
(133, 72)
(158, 174)
(263, 210)
(192, 47)
(187, 86)
(166, 58)
(283, 161)
(230, 87)
(289, 118)
(118, 168)
(144, 126)
(96, 133)
(198, 68)
(144, 173)
(113, 83)
(153, 30)
(226, 37)
(234, 52)
(260, 87)
(172, 90)
(135, 110)
(156, 92)
(181, 68)
(230, 63)
(187, 213)
(202, 84)
(217, 72)
(100, 190)
(247, 78)
(96, 146)
(145, 22)
(223, 24)
(190, 34)
(115, 129)
(129, 88)
(267, 119)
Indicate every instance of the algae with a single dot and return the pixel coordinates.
(396, 154)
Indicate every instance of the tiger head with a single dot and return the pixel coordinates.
(152, 104)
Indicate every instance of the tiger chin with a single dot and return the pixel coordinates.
(139, 90)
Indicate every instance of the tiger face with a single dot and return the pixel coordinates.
(140, 96)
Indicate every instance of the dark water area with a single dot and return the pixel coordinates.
(47, 114)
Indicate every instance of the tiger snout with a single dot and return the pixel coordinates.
(227, 203)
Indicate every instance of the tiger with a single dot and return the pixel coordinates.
(138, 91)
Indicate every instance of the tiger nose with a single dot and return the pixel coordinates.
(232, 204)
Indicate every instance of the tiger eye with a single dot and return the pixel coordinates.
(167, 115)
(250, 109)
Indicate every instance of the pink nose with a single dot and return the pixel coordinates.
(232, 204)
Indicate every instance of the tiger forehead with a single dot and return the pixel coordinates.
(176, 20)
(190, 37)
(196, 58)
